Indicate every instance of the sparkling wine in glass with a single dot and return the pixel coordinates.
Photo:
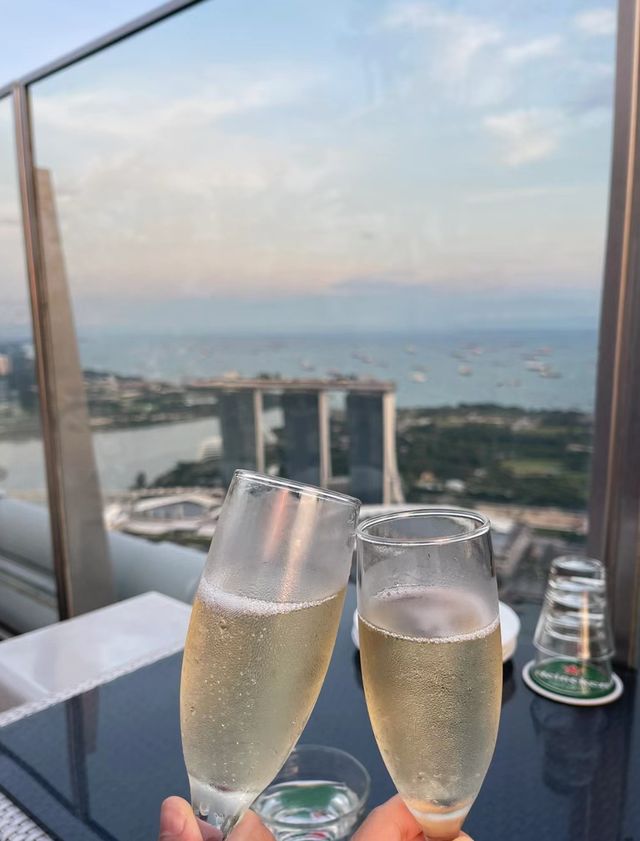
(262, 630)
(431, 657)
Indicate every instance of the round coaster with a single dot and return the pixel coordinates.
(615, 693)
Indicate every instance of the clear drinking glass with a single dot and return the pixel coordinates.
(319, 795)
(573, 638)
(431, 657)
(263, 626)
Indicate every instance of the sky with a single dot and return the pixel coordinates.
(355, 164)
(33, 35)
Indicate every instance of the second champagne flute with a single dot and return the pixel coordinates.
(431, 657)
(263, 626)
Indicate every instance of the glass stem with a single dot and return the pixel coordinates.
(224, 823)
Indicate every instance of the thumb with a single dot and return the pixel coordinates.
(394, 822)
(178, 823)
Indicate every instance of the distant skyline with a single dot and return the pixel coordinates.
(374, 163)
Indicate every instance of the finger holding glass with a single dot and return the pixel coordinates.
(431, 657)
(262, 630)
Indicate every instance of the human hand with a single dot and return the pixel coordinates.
(178, 823)
(393, 822)
(390, 822)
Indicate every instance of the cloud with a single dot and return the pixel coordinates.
(462, 37)
(596, 22)
(527, 134)
(181, 203)
(518, 194)
(255, 180)
(590, 69)
(532, 50)
(228, 92)
(9, 206)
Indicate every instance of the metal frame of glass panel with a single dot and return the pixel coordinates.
(614, 503)
(132, 28)
(85, 581)
(39, 318)
(614, 499)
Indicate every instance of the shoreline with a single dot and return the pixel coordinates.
(468, 452)
(34, 432)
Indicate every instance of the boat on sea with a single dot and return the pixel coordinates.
(534, 364)
(418, 376)
(361, 356)
(465, 370)
(549, 373)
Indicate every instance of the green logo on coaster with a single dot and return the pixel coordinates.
(572, 678)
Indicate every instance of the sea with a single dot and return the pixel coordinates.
(529, 369)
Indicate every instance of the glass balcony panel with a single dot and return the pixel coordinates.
(405, 199)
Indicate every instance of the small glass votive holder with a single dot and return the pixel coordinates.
(573, 638)
(319, 795)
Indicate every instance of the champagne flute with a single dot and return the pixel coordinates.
(431, 657)
(263, 626)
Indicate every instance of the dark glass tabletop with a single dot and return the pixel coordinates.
(99, 765)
